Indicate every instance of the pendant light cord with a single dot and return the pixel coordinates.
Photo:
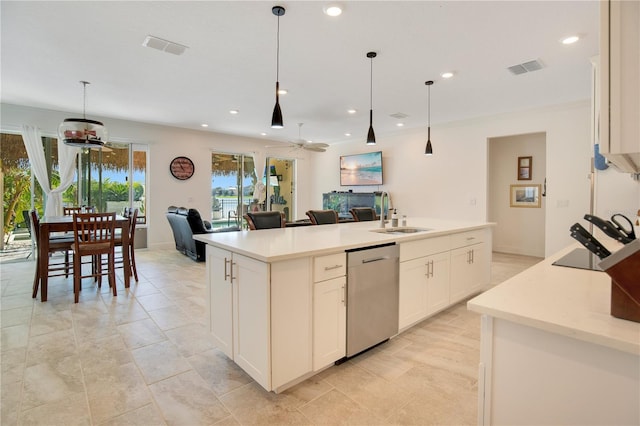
(84, 99)
(429, 106)
(278, 51)
(371, 86)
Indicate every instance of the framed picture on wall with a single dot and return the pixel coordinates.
(524, 168)
(525, 196)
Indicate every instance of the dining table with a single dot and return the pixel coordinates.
(52, 225)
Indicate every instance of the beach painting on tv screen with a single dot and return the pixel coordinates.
(361, 169)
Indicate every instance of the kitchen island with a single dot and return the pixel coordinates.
(552, 354)
(277, 296)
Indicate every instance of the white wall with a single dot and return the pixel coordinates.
(519, 230)
(164, 143)
(453, 182)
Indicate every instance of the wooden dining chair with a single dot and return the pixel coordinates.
(56, 245)
(93, 236)
(70, 211)
(119, 260)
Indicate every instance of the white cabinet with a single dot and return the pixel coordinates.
(329, 310)
(424, 288)
(620, 83)
(469, 271)
(240, 311)
(424, 279)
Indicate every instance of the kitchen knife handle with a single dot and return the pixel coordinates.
(589, 241)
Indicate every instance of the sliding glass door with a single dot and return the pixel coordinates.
(232, 185)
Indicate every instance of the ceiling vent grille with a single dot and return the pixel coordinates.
(399, 115)
(526, 67)
(164, 45)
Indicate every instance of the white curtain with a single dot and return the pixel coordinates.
(66, 161)
(259, 189)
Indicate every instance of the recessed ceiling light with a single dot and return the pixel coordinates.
(570, 40)
(263, 134)
(352, 111)
(233, 111)
(347, 134)
(332, 9)
(283, 91)
(447, 74)
(400, 124)
(204, 125)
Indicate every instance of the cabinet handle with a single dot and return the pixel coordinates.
(226, 274)
(472, 256)
(432, 268)
(329, 268)
(469, 256)
(471, 238)
(231, 277)
(344, 295)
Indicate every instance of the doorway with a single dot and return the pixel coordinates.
(517, 190)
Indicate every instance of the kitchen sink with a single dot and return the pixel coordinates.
(400, 230)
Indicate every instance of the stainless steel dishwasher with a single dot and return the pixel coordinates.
(372, 296)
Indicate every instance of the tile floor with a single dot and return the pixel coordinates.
(144, 358)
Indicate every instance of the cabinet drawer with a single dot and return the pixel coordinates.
(331, 266)
(464, 239)
(419, 248)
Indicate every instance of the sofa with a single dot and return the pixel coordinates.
(185, 223)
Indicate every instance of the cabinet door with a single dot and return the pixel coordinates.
(620, 78)
(437, 282)
(468, 271)
(252, 318)
(329, 322)
(413, 292)
(220, 301)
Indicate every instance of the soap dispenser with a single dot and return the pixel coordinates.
(394, 218)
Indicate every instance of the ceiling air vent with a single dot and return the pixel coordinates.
(399, 115)
(526, 67)
(164, 45)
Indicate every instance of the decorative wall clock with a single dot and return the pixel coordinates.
(181, 168)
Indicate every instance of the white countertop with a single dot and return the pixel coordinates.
(567, 301)
(271, 245)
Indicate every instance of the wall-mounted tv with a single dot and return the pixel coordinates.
(361, 169)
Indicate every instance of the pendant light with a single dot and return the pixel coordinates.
(82, 132)
(428, 150)
(276, 118)
(371, 136)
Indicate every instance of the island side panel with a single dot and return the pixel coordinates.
(538, 377)
(291, 320)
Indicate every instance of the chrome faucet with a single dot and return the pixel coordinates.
(382, 195)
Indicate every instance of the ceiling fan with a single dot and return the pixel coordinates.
(304, 144)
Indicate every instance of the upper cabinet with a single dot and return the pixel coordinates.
(620, 83)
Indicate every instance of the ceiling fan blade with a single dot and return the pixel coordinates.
(314, 148)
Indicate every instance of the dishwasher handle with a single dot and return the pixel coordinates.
(376, 259)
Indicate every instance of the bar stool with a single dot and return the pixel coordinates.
(323, 217)
(133, 219)
(265, 220)
(361, 214)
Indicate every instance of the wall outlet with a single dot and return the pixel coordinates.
(472, 202)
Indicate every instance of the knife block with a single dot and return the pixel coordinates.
(624, 270)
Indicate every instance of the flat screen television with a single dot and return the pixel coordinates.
(361, 169)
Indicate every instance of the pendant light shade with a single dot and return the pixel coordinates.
(276, 117)
(82, 132)
(429, 149)
(371, 136)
